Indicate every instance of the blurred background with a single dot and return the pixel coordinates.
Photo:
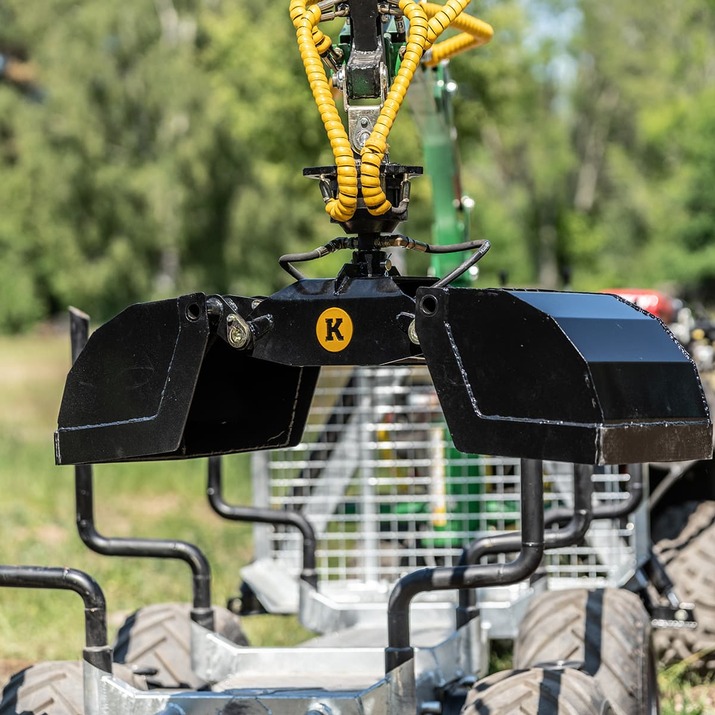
(153, 147)
(150, 148)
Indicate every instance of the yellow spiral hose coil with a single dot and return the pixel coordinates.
(305, 19)
(427, 21)
(474, 33)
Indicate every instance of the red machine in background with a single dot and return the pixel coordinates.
(694, 328)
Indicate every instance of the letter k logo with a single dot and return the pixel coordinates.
(334, 329)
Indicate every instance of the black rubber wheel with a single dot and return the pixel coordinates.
(689, 559)
(605, 631)
(537, 691)
(156, 640)
(51, 688)
(54, 687)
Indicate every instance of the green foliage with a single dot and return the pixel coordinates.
(166, 154)
(591, 150)
(682, 693)
(165, 157)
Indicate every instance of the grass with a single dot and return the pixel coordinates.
(685, 694)
(162, 500)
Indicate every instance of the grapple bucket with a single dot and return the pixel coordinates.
(571, 377)
(574, 377)
(155, 382)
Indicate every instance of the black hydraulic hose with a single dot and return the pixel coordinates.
(463, 267)
(258, 515)
(97, 651)
(369, 242)
(399, 650)
(202, 612)
(572, 531)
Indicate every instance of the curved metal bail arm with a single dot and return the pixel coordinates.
(577, 522)
(399, 650)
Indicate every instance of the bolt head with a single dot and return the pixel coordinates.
(362, 138)
(237, 332)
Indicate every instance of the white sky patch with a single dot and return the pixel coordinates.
(555, 23)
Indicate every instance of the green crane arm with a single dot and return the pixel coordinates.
(430, 102)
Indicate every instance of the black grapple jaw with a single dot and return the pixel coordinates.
(572, 377)
(156, 383)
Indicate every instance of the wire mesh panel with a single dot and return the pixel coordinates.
(387, 492)
(609, 548)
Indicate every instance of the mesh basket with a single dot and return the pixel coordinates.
(387, 492)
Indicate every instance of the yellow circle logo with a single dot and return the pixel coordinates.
(334, 329)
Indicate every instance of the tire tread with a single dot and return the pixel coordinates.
(159, 637)
(537, 691)
(689, 559)
(606, 630)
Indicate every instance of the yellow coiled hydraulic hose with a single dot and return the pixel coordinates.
(474, 33)
(310, 38)
(427, 21)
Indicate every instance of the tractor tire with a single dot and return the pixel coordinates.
(606, 631)
(537, 691)
(689, 559)
(156, 640)
(53, 688)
